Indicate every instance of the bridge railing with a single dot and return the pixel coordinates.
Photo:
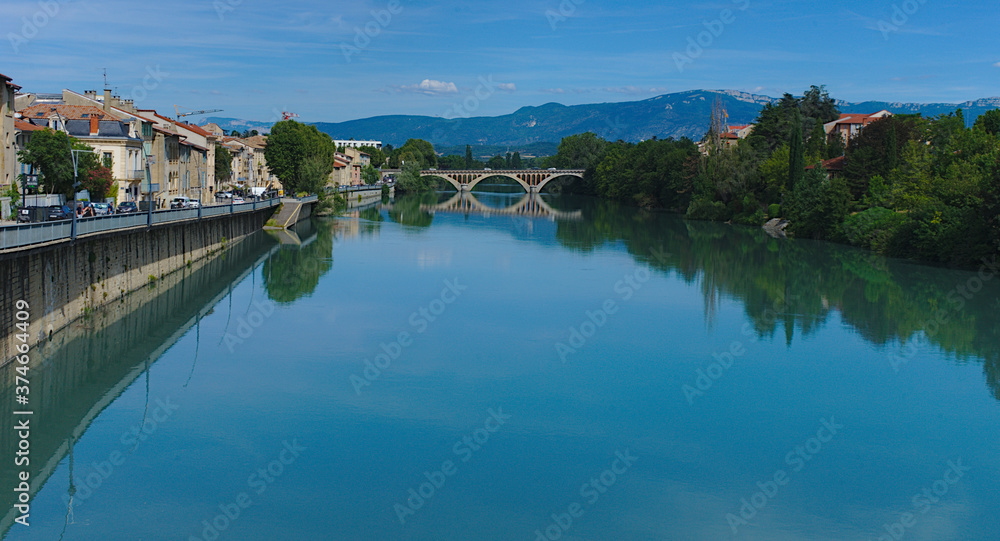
(17, 236)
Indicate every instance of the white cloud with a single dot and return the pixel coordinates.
(509, 87)
(636, 90)
(997, 65)
(431, 87)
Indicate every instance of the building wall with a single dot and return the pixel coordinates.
(8, 154)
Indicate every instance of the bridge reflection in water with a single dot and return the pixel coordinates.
(531, 205)
(85, 367)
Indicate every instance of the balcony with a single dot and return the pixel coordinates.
(137, 174)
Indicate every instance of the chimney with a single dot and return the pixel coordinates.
(95, 125)
(107, 99)
(92, 94)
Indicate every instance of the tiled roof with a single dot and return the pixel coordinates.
(106, 128)
(68, 112)
(835, 164)
(26, 126)
(197, 129)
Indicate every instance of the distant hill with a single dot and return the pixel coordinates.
(682, 114)
(485, 152)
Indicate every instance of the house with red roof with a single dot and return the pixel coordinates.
(850, 124)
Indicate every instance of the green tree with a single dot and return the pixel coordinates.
(497, 162)
(468, 156)
(223, 164)
(297, 154)
(580, 151)
(49, 152)
(409, 180)
(515, 162)
(369, 175)
(989, 122)
(796, 159)
(421, 150)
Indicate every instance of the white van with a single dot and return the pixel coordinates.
(181, 202)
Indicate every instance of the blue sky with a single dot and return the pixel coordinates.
(253, 58)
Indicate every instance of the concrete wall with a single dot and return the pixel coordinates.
(87, 365)
(64, 281)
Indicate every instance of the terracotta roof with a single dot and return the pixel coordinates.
(68, 112)
(835, 164)
(257, 141)
(197, 129)
(26, 126)
(857, 118)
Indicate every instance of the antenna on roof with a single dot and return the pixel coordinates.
(105, 77)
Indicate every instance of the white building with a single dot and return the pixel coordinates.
(357, 144)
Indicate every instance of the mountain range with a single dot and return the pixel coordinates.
(681, 114)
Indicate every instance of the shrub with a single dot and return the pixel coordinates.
(874, 228)
(701, 209)
(774, 210)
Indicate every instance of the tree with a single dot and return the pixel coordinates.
(49, 153)
(422, 151)
(497, 162)
(580, 151)
(369, 175)
(468, 156)
(297, 154)
(98, 182)
(989, 122)
(796, 159)
(515, 162)
(223, 164)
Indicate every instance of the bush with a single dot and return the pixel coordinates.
(874, 228)
(701, 209)
(774, 210)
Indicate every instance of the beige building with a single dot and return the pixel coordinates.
(347, 167)
(9, 168)
(115, 142)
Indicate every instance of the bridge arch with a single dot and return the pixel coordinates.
(532, 180)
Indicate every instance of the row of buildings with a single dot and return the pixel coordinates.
(180, 156)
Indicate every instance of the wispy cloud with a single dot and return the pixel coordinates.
(508, 87)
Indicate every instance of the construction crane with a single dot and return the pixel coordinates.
(285, 115)
(180, 114)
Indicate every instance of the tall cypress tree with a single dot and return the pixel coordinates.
(468, 156)
(891, 147)
(796, 160)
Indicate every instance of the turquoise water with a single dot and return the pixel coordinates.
(403, 374)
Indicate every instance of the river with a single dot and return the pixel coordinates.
(502, 367)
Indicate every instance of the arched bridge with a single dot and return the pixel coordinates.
(529, 205)
(532, 180)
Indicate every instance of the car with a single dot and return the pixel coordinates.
(552, 169)
(58, 212)
(127, 207)
(223, 195)
(237, 200)
(102, 209)
(487, 169)
(180, 202)
(193, 204)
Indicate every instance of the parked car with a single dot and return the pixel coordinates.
(102, 209)
(180, 202)
(127, 207)
(59, 212)
(223, 195)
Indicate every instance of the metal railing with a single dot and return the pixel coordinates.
(16, 236)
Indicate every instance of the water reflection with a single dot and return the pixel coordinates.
(791, 285)
(83, 368)
(532, 205)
